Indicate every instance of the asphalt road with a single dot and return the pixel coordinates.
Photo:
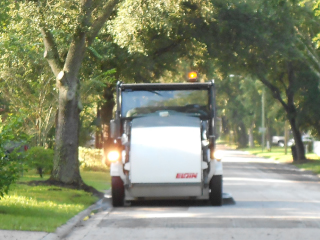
(269, 201)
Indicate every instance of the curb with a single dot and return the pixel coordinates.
(65, 229)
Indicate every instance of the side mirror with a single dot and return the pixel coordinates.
(115, 128)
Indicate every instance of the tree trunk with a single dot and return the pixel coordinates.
(66, 164)
(99, 130)
(289, 107)
(224, 124)
(292, 115)
(106, 116)
(242, 137)
(299, 147)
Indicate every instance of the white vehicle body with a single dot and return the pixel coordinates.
(166, 155)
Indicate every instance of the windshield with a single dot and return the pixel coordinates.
(137, 103)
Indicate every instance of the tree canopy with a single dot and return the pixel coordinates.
(257, 39)
(62, 58)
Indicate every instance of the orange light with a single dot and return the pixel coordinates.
(113, 156)
(192, 75)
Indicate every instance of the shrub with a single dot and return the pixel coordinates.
(91, 159)
(10, 165)
(41, 159)
(9, 172)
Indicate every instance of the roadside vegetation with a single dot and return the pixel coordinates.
(278, 154)
(31, 206)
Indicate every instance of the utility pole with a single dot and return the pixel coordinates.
(286, 137)
(263, 118)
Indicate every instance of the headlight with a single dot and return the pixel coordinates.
(113, 156)
(218, 155)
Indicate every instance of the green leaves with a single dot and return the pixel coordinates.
(137, 21)
(10, 157)
(40, 158)
(26, 80)
(4, 16)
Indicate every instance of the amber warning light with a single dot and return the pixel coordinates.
(192, 76)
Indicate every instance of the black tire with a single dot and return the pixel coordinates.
(215, 196)
(117, 192)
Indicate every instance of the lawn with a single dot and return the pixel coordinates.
(99, 180)
(44, 208)
(278, 154)
(312, 166)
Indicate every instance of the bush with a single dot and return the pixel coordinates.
(41, 159)
(10, 163)
(91, 159)
(9, 172)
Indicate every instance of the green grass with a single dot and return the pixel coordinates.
(99, 180)
(278, 154)
(44, 208)
(312, 166)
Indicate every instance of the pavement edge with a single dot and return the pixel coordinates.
(62, 231)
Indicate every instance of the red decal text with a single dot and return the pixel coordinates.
(187, 175)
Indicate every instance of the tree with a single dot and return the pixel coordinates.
(24, 79)
(256, 38)
(286, 66)
(262, 42)
(68, 28)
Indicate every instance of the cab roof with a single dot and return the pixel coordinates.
(166, 86)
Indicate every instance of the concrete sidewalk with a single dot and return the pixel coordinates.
(19, 235)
